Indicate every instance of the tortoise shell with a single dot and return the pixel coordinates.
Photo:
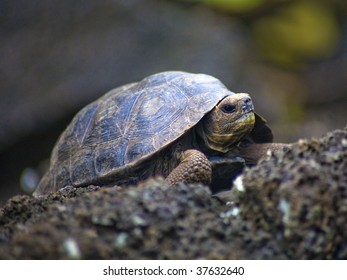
(112, 137)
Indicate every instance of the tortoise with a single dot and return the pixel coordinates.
(178, 125)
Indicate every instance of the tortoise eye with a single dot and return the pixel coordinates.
(228, 108)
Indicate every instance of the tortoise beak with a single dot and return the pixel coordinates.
(247, 105)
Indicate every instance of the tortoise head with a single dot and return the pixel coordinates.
(230, 120)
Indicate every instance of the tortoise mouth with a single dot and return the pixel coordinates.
(245, 116)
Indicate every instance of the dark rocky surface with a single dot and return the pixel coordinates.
(292, 205)
(295, 202)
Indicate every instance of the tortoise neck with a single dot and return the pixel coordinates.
(200, 141)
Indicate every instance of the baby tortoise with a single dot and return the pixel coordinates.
(185, 127)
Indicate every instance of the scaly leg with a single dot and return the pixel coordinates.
(193, 168)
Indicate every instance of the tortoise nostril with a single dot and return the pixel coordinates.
(247, 104)
(247, 100)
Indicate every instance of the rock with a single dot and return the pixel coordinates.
(150, 221)
(292, 205)
(296, 201)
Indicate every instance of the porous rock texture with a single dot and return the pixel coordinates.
(296, 201)
(291, 205)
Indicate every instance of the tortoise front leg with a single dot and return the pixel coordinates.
(194, 167)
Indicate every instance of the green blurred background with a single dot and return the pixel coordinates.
(58, 55)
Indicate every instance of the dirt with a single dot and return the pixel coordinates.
(291, 205)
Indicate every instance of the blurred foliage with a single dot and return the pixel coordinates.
(299, 32)
(288, 32)
(238, 6)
